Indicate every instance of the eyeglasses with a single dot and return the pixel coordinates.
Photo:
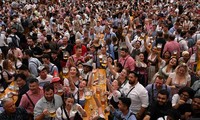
(184, 95)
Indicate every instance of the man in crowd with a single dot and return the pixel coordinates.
(194, 112)
(126, 60)
(52, 68)
(159, 107)
(154, 88)
(23, 86)
(138, 95)
(33, 63)
(11, 112)
(46, 103)
(44, 77)
(124, 111)
(30, 98)
(24, 70)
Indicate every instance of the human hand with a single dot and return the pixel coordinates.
(111, 108)
(45, 112)
(180, 102)
(187, 115)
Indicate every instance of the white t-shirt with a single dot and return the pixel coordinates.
(47, 80)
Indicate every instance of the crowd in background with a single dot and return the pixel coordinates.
(149, 49)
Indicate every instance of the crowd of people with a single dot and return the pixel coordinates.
(149, 49)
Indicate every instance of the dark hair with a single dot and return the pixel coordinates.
(119, 65)
(189, 90)
(126, 101)
(159, 33)
(164, 92)
(46, 56)
(170, 59)
(196, 97)
(23, 67)
(139, 42)
(171, 37)
(66, 96)
(32, 80)
(46, 46)
(21, 75)
(78, 47)
(136, 73)
(183, 33)
(174, 114)
(78, 73)
(160, 77)
(124, 49)
(28, 52)
(49, 38)
(48, 87)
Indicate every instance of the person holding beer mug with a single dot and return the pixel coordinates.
(70, 110)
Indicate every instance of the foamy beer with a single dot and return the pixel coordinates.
(52, 113)
(159, 47)
(60, 92)
(88, 93)
(175, 53)
(104, 63)
(103, 100)
(100, 58)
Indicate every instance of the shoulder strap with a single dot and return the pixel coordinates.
(78, 97)
(165, 87)
(129, 91)
(65, 112)
(131, 115)
(125, 61)
(152, 92)
(52, 68)
(34, 63)
(30, 100)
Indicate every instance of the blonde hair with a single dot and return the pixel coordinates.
(184, 65)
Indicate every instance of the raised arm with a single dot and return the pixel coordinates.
(146, 46)
(71, 83)
(111, 67)
(91, 78)
(128, 43)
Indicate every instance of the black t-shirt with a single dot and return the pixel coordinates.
(156, 111)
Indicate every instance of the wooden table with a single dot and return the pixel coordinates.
(90, 105)
(8, 90)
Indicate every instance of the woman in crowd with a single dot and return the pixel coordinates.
(8, 73)
(114, 93)
(152, 59)
(166, 68)
(73, 76)
(166, 56)
(179, 78)
(79, 92)
(121, 77)
(141, 67)
(16, 63)
(70, 110)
